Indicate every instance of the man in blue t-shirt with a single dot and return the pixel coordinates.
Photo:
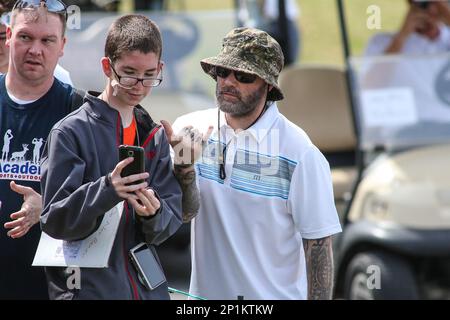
(5, 10)
(31, 102)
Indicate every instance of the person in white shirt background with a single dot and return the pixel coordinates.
(425, 30)
(412, 57)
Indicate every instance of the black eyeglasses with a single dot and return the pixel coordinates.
(129, 82)
(53, 6)
(240, 76)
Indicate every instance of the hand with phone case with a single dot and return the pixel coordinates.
(126, 186)
(128, 179)
(135, 167)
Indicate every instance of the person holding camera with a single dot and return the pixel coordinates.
(425, 30)
(422, 40)
(82, 176)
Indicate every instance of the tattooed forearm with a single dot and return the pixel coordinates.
(191, 197)
(319, 265)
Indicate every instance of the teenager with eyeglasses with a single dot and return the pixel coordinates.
(129, 81)
(31, 102)
(264, 186)
(81, 172)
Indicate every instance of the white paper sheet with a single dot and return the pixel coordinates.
(389, 107)
(92, 252)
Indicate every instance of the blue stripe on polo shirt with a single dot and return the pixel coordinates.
(257, 192)
(261, 174)
(280, 186)
(256, 187)
(208, 166)
(252, 172)
(209, 171)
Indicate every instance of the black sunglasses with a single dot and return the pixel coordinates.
(53, 6)
(240, 76)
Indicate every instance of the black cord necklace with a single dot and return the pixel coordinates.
(222, 155)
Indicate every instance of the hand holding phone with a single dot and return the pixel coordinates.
(135, 167)
(125, 178)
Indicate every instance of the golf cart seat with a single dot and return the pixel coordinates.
(316, 100)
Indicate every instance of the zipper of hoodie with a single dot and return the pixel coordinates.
(119, 138)
(125, 253)
(130, 277)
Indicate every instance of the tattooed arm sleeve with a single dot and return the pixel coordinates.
(319, 266)
(191, 197)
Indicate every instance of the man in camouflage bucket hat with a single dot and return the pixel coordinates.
(252, 51)
(263, 185)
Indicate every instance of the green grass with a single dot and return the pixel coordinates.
(321, 42)
(320, 26)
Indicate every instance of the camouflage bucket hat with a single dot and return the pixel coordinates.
(251, 51)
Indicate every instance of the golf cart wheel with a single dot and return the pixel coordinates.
(379, 276)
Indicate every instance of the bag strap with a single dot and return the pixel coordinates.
(77, 99)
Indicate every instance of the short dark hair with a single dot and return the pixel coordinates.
(133, 32)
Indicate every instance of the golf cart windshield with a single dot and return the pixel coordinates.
(403, 101)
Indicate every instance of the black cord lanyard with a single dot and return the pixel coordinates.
(222, 155)
(137, 131)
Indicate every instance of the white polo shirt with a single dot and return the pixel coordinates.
(247, 238)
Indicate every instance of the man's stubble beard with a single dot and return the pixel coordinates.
(244, 105)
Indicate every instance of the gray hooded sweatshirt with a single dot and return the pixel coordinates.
(80, 152)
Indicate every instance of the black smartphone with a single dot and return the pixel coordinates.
(137, 166)
(149, 270)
